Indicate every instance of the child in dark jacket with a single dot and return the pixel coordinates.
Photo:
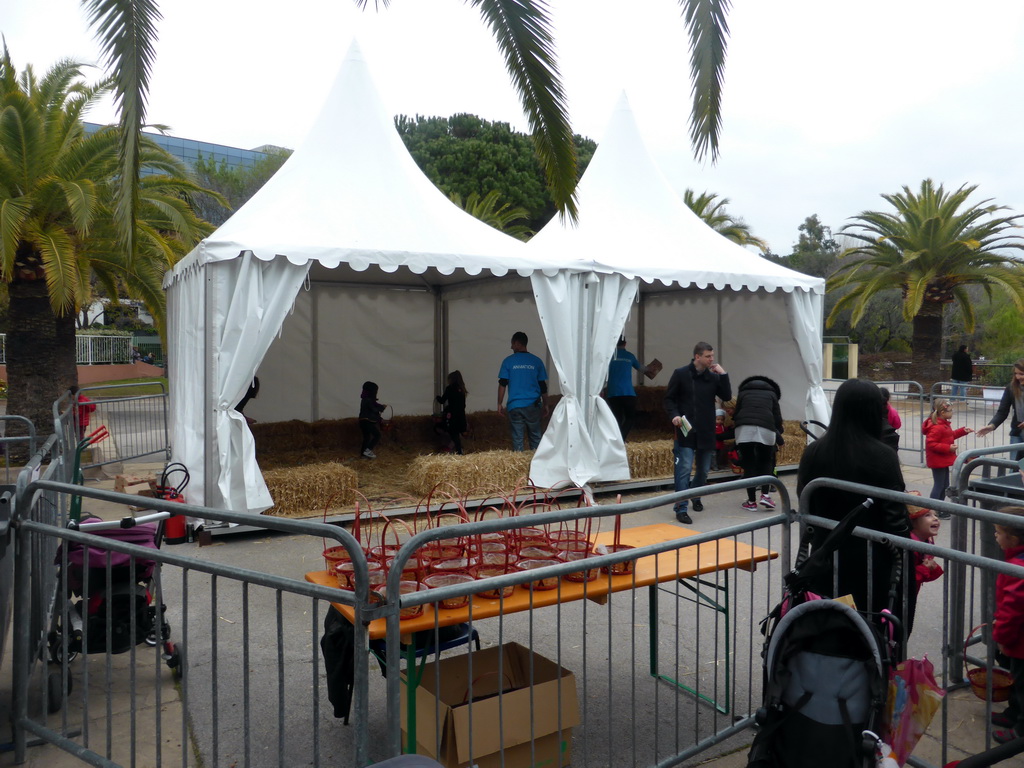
(370, 419)
(1008, 625)
(939, 448)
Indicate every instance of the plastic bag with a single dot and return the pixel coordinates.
(914, 698)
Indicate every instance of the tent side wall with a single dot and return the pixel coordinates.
(339, 336)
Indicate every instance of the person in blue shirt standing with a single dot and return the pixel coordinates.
(619, 391)
(526, 379)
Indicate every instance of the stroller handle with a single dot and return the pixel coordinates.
(125, 522)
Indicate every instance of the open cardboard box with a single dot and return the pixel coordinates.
(530, 726)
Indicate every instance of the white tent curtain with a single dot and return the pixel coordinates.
(582, 315)
(249, 299)
(805, 310)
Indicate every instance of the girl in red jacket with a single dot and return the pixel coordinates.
(1008, 625)
(924, 526)
(939, 448)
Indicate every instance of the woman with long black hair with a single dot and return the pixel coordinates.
(852, 450)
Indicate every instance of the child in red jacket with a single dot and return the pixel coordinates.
(1008, 625)
(924, 526)
(939, 448)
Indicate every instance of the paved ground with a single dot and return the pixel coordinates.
(964, 722)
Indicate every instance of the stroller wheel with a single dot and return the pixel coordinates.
(176, 660)
(56, 646)
(55, 693)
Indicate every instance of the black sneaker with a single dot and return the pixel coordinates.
(1002, 719)
(682, 517)
(1005, 736)
(698, 505)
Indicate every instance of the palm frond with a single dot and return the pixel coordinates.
(708, 29)
(522, 29)
(127, 32)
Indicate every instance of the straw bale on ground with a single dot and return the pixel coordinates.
(489, 469)
(795, 442)
(650, 459)
(307, 490)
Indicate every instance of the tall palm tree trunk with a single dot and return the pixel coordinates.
(926, 360)
(40, 354)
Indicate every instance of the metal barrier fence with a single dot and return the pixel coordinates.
(137, 424)
(90, 350)
(661, 673)
(253, 683)
(907, 397)
(974, 410)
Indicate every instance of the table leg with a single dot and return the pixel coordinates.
(701, 599)
(412, 682)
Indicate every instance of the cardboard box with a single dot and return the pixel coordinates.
(653, 368)
(123, 482)
(524, 725)
(146, 492)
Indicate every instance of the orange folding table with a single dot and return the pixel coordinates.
(687, 563)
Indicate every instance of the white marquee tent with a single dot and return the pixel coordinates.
(350, 265)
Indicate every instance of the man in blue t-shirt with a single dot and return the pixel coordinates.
(526, 379)
(619, 391)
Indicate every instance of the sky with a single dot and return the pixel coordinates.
(828, 105)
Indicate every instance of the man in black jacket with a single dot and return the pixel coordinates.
(962, 370)
(690, 404)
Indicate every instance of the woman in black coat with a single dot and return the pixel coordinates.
(758, 422)
(852, 450)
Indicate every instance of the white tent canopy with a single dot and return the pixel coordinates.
(399, 280)
(632, 224)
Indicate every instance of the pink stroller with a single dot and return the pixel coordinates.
(108, 602)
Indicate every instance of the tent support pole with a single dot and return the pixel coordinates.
(719, 338)
(209, 384)
(641, 330)
(441, 358)
(314, 358)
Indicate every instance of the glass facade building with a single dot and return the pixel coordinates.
(189, 150)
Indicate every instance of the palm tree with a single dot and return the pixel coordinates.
(931, 247)
(58, 196)
(522, 29)
(490, 210)
(711, 210)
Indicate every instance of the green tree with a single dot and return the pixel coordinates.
(490, 210)
(235, 185)
(465, 154)
(931, 247)
(815, 252)
(58, 199)
(710, 208)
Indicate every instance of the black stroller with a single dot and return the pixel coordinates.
(826, 669)
(106, 599)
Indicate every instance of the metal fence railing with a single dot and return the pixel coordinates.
(973, 409)
(254, 689)
(137, 424)
(90, 350)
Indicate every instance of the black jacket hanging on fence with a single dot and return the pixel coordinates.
(338, 646)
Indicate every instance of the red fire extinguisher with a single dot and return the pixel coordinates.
(175, 527)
